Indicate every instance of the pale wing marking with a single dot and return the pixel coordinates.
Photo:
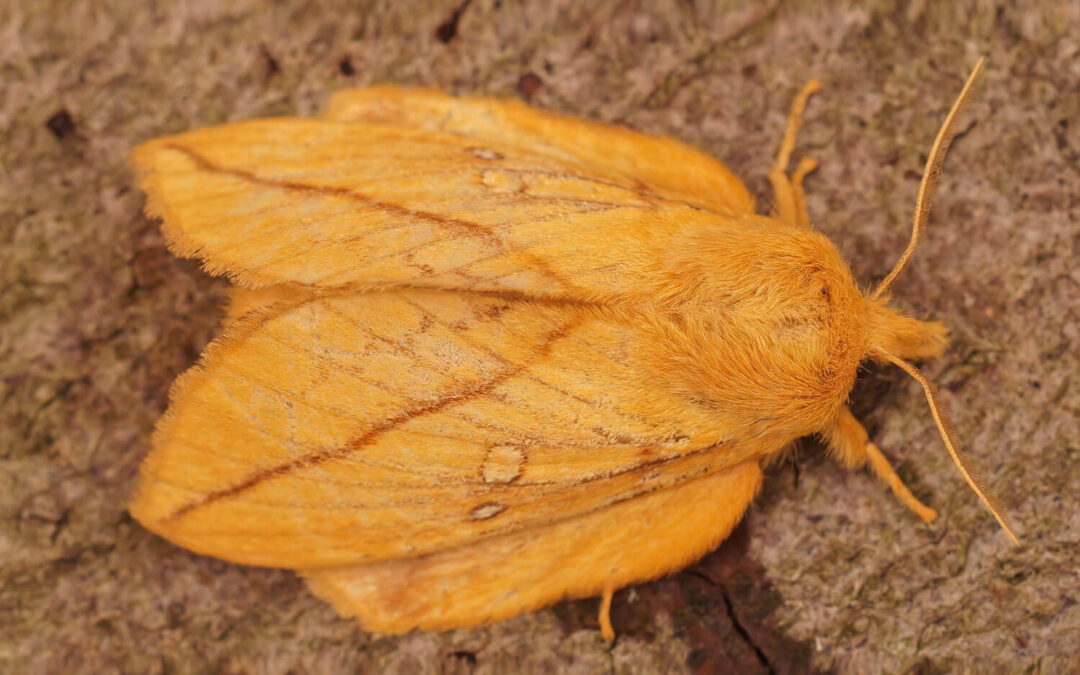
(475, 229)
(380, 428)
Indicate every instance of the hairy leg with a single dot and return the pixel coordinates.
(788, 191)
(848, 442)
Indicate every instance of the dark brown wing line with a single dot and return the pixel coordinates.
(468, 227)
(369, 437)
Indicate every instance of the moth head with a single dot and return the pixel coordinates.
(895, 338)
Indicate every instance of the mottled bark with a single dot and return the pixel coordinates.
(828, 572)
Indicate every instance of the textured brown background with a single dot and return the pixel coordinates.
(828, 572)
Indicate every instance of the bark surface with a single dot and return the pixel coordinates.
(828, 572)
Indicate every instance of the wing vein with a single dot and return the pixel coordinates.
(376, 431)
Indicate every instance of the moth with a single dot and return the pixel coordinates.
(481, 357)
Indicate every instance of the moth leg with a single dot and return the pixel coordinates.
(806, 165)
(848, 442)
(788, 192)
(605, 613)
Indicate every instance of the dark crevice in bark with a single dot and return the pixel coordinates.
(762, 658)
(448, 29)
(744, 634)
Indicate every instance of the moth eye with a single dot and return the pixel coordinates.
(486, 511)
(484, 153)
(503, 465)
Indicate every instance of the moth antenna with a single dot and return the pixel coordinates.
(953, 443)
(931, 174)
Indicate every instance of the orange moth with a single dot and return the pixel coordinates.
(480, 357)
